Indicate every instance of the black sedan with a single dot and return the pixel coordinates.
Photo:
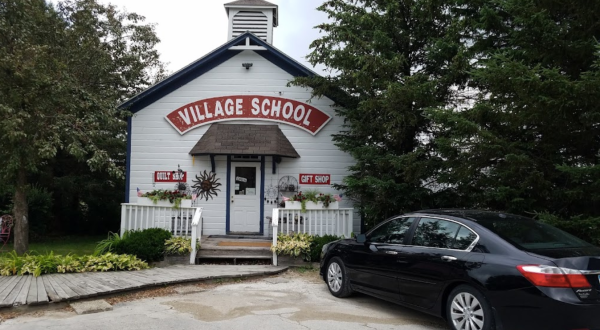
(479, 270)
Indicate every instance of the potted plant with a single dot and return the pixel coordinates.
(311, 200)
(161, 197)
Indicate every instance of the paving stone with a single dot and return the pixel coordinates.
(276, 280)
(92, 306)
(188, 289)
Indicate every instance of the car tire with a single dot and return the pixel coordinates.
(466, 304)
(337, 278)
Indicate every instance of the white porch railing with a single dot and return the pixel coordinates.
(140, 217)
(196, 233)
(185, 221)
(321, 222)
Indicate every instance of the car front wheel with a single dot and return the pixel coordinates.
(337, 279)
(468, 309)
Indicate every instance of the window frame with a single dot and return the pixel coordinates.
(413, 229)
(408, 234)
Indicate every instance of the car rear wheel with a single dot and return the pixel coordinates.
(337, 280)
(468, 309)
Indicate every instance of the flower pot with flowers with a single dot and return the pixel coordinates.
(311, 200)
(173, 198)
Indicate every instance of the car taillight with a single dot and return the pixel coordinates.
(554, 277)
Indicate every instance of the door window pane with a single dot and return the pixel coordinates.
(392, 232)
(464, 238)
(435, 233)
(245, 181)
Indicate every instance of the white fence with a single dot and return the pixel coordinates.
(320, 222)
(185, 221)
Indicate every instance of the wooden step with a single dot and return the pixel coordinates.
(237, 252)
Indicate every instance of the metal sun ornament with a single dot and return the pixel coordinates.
(206, 185)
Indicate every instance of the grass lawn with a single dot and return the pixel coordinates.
(78, 245)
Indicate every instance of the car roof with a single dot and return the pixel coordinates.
(473, 215)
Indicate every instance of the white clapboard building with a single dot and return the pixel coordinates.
(230, 127)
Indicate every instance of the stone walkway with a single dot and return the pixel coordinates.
(49, 288)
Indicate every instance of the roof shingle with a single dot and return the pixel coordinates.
(244, 139)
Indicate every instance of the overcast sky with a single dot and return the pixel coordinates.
(189, 29)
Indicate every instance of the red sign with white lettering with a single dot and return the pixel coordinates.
(248, 107)
(315, 178)
(169, 176)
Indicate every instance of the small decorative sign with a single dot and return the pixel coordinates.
(240, 179)
(248, 107)
(315, 179)
(169, 176)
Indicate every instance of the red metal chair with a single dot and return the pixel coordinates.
(6, 224)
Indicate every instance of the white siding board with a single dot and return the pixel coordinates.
(157, 146)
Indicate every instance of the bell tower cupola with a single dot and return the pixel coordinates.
(256, 16)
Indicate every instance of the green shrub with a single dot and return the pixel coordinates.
(295, 245)
(107, 245)
(587, 229)
(302, 245)
(12, 264)
(317, 245)
(179, 245)
(148, 244)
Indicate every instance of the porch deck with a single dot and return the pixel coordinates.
(52, 288)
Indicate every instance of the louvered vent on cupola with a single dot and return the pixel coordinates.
(253, 21)
(256, 16)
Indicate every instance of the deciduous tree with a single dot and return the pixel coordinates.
(63, 72)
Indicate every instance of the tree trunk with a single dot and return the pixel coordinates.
(20, 210)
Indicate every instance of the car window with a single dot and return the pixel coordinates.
(530, 235)
(392, 232)
(464, 238)
(435, 233)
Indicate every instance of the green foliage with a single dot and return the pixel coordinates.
(13, 264)
(295, 245)
(302, 245)
(109, 244)
(587, 229)
(317, 245)
(528, 140)
(391, 61)
(312, 195)
(147, 244)
(63, 72)
(40, 201)
(173, 196)
(180, 245)
(477, 104)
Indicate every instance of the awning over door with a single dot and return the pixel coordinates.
(244, 139)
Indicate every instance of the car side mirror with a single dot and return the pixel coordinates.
(361, 238)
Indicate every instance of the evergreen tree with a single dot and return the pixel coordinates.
(530, 139)
(389, 61)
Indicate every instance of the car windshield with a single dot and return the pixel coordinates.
(528, 234)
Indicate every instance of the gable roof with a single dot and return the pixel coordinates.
(244, 139)
(210, 61)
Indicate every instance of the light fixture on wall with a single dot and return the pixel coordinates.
(247, 65)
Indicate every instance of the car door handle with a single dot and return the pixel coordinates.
(449, 258)
(391, 252)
